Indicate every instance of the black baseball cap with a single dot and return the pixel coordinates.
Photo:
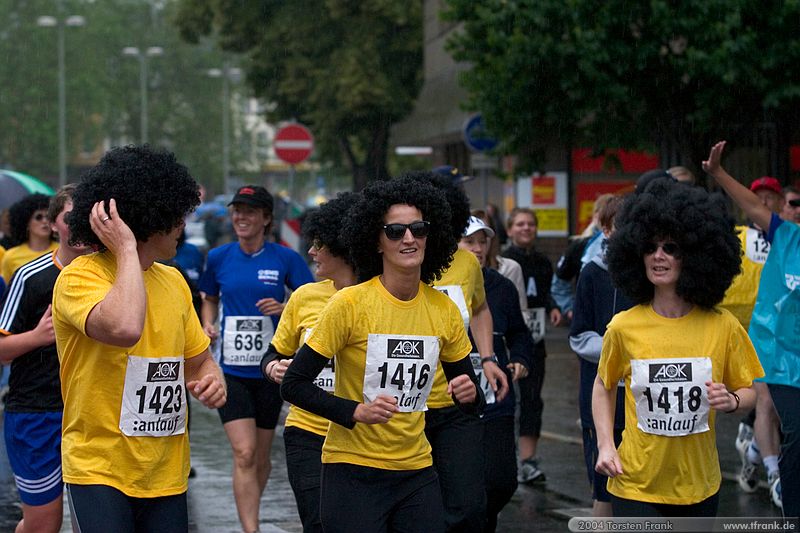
(452, 172)
(254, 195)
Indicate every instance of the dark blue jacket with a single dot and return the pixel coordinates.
(596, 303)
(509, 331)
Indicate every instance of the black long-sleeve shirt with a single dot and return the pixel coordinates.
(537, 273)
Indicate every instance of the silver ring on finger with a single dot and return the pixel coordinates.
(103, 220)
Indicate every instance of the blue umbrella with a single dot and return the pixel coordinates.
(15, 185)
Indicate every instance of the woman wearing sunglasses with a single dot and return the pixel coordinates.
(682, 359)
(388, 334)
(305, 432)
(30, 231)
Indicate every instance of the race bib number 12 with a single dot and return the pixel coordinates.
(401, 366)
(475, 358)
(670, 395)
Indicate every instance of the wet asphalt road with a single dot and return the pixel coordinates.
(544, 508)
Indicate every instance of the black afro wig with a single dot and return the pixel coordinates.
(19, 215)
(455, 196)
(709, 248)
(152, 190)
(325, 223)
(361, 231)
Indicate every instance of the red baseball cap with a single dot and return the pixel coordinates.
(766, 182)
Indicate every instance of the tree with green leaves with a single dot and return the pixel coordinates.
(102, 87)
(664, 75)
(349, 70)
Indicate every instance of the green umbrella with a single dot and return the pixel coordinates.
(15, 185)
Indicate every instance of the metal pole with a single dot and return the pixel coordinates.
(226, 171)
(143, 89)
(62, 101)
(291, 182)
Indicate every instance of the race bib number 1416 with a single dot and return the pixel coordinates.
(401, 366)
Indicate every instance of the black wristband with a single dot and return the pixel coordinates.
(486, 359)
(738, 400)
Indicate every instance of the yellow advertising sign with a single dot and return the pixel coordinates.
(552, 220)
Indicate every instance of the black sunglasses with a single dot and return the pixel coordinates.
(669, 248)
(395, 232)
(795, 202)
(38, 217)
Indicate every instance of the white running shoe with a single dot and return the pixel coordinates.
(748, 475)
(743, 439)
(775, 493)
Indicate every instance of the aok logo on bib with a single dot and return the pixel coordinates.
(162, 372)
(401, 366)
(248, 324)
(670, 395)
(404, 349)
(670, 373)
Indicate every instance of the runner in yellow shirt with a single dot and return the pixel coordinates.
(388, 335)
(130, 347)
(30, 230)
(305, 432)
(681, 357)
(457, 438)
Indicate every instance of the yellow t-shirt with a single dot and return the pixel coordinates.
(741, 295)
(344, 327)
(19, 255)
(464, 273)
(667, 360)
(297, 321)
(94, 375)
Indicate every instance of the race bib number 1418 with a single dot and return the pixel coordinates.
(670, 395)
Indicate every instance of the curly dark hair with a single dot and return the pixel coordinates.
(325, 223)
(19, 216)
(152, 190)
(709, 249)
(365, 220)
(454, 194)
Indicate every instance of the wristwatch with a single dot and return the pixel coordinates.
(492, 358)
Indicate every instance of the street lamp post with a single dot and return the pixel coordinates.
(151, 51)
(60, 22)
(227, 74)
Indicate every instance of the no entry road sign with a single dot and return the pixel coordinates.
(293, 143)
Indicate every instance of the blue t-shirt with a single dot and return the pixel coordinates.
(776, 315)
(240, 280)
(190, 259)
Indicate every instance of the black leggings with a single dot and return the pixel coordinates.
(500, 455)
(628, 508)
(100, 508)
(358, 498)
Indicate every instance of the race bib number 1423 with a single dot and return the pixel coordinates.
(154, 397)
